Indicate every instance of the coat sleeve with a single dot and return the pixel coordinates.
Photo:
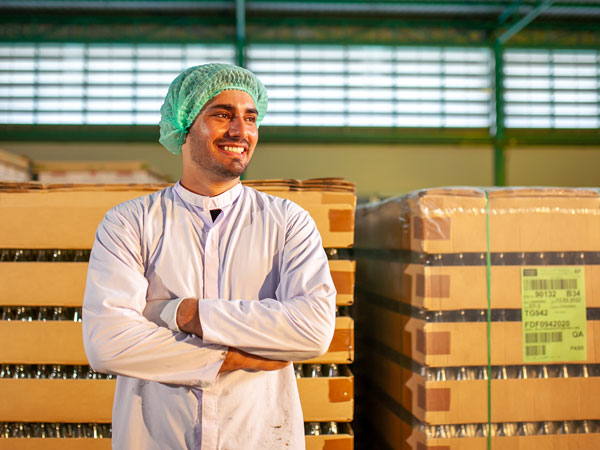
(299, 323)
(117, 337)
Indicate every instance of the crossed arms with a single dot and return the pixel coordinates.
(217, 335)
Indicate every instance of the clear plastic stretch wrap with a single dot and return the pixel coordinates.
(480, 308)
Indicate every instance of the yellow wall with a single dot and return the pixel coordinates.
(158, 158)
(554, 166)
(377, 170)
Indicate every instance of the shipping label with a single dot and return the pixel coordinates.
(554, 314)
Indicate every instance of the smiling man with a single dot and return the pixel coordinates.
(199, 296)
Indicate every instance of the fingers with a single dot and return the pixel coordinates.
(239, 360)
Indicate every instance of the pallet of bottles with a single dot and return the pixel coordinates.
(41, 216)
(49, 389)
(429, 265)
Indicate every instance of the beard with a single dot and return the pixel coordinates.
(201, 155)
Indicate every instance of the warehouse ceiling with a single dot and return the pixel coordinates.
(557, 10)
(555, 24)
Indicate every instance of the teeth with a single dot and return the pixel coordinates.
(234, 149)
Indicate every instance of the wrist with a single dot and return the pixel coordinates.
(188, 319)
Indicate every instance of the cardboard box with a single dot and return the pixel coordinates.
(444, 344)
(37, 216)
(341, 349)
(398, 434)
(56, 444)
(326, 399)
(50, 172)
(14, 168)
(343, 273)
(90, 401)
(453, 220)
(465, 401)
(451, 288)
(343, 441)
(60, 342)
(63, 283)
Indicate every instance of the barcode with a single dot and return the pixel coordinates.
(535, 350)
(543, 338)
(550, 284)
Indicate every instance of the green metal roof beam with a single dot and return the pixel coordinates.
(509, 11)
(291, 134)
(240, 32)
(526, 20)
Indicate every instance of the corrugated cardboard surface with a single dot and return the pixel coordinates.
(17, 161)
(60, 342)
(327, 399)
(418, 441)
(443, 344)
(324, 442)
(90, 401)
(342, 441)
(455, 287)
(465, 401)
(341, 349)
(56, 444)
(96, 172)
(453, 220)
(63, 283)
(398, 435)
(66, 217)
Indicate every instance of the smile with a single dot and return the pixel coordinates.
(231, 149)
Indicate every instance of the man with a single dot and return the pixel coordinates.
(199, 296)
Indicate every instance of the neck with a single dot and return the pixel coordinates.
(206, 186)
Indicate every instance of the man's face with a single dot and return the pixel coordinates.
(222, 139)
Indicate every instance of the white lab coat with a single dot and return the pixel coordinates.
(264, 286)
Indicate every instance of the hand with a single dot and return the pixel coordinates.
(237, 359)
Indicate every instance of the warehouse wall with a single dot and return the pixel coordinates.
(377, 170)
(558, 166)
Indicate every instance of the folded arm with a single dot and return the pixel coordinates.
(297, 324)
(117, 337)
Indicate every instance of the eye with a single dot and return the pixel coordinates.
(251, 119)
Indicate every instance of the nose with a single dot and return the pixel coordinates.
(238, 127)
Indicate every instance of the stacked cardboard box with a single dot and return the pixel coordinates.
(14, 168)
(48, 388)
(51, 172)
(425, 263)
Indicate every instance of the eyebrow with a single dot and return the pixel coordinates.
(229, 107)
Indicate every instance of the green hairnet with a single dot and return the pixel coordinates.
(190, 91)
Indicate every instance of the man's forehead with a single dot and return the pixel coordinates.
(232, 97)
